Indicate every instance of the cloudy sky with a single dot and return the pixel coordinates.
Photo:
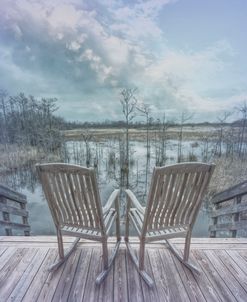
(180, 54)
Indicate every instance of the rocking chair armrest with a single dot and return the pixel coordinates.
(113, 197)
(134, 201)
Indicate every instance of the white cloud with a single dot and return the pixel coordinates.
(189, 65)
(116, 50)
(74, 45)
(17, 31)
(111, 50)
(102, 71)
(64, 15)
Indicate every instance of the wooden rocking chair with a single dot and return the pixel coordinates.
(74, 201)
(174, 200)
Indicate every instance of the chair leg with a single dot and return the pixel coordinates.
(105, 253)
(141, 255)
(118, 232)
(187, 247)
(127, 221)
(142, 272)
(185, 258)
(107, 268)
(108, 263)
(60, 244)
(62, 257)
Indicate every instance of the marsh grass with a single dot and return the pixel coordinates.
(14, 156)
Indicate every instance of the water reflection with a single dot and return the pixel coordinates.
(107, 158)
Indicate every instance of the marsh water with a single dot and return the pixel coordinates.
(105, 156)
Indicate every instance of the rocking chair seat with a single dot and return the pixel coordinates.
(109, 219)
(137, 219)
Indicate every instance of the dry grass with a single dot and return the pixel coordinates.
(140, 134)
(14, 156)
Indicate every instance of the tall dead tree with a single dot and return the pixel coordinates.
(185, 116)
(128, 102)
(243, 126)
(146, 110)
(4, 109)
(163, 128)
(87, 137)
(222, 121)
(26, 121)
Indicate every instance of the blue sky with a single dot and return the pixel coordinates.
(180, 54)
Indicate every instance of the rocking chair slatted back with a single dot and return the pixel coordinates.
(175, 195)
(72, 195)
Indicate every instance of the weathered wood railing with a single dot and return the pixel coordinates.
(14, 213)
(230, 211)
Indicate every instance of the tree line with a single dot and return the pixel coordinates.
(24, 120)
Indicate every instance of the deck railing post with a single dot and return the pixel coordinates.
(236, 216)
(6, 218)
(229, 203)
(214, 223)
(13, 204)
(25, 220)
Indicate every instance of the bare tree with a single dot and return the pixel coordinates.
(146, 110)
(222, 120)
(48, 107)
(163, 128)
(241, 144)
(4, 109)
(27, 121)
(87, 137)
(128, 102)
(185, 116)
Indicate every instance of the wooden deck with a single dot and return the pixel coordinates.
(24, 275)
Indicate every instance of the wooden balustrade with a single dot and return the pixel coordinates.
(14, 213)
(230, 211)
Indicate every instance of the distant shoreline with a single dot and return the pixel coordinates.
(189, 132)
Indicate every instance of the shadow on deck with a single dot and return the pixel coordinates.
(24, 276)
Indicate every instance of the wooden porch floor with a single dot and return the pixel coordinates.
(24, 276)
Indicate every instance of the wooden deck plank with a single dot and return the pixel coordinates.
(243, 254)
(239, 260)
(229, 279)
(24, 275)
(234, 268)
(65, 282)
(68, 239)
(175, 282)
(40, 278)
(13, 271)
(211, 245)
(133, 282)
(204, 284)
(92, 289)
(190, 284)
(5, 256)
(106, 290)
(162, 279)
(120, 277)
(149, 295)
(2, 250)
(47, 291)
(80, 278)
(28, 276)
(215, 279)
(10, 262)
